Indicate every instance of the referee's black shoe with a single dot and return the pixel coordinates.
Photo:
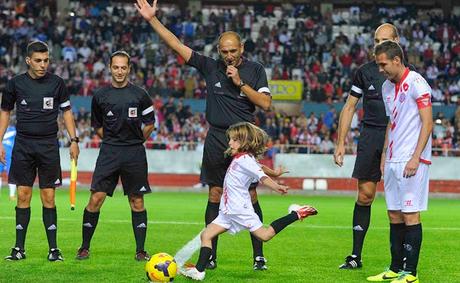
(351, 262)
(212, 264)
(55, 255)
(16, 254)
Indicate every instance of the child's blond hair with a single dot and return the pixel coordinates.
(252, 138)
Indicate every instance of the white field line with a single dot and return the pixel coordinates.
(303, 225)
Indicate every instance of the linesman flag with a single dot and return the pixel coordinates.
(73, 183)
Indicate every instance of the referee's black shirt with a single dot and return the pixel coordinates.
(225, 103)
(121, 113)
(367, 83)
(37, 103)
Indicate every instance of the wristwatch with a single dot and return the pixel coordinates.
(75, 139)
(241, 84)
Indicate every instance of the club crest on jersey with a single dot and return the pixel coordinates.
(48, 102)
(405, 86)
(132, 112)
(402, 97)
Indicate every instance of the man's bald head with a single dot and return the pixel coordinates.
(386, 32)
(229, 35)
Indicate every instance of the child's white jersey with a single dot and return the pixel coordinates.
(243, 171)
(402, 103)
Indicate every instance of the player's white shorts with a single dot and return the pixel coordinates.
(237, 222)
(406, 194)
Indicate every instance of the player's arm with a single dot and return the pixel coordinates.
(267, 181)
(346, 115)
(148, 12)
(69, 124)
(273, 173)
(4, 120)
(426, 116)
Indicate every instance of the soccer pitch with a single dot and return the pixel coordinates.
(308, 251)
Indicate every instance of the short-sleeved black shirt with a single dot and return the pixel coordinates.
(367, 83)
(121, 113)
(37, 103)
(225, 103)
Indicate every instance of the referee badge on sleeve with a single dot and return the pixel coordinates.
(48, 102)
(132, 112)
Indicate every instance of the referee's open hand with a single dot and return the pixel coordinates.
(144, 8)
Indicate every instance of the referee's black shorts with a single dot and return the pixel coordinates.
(370, 146)
(127, 162)
(31, 155)
(214, 164)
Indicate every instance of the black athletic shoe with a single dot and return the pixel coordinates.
(212, 264)
(55, 255)
(142, 256)
(260, 263)
(16, 254)
(351, 262)
(82, 254)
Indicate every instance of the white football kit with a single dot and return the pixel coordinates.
(402, 104)
(236, 212)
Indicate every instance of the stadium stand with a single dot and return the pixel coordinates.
(293, 41)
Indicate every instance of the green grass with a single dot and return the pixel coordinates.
(308, 251)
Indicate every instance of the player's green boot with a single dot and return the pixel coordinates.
(406, 277)
(387, 275)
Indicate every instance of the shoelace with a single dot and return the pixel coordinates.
(402, 274)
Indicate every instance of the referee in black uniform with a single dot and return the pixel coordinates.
(235, 86)
(38, 96)
(367, 84)
(122, 115)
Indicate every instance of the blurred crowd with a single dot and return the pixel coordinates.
(177, 128)
(293, 42)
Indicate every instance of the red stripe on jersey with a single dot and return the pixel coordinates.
(393, 126)
(424, 161)
(424, 101)
(398, 85)
(391, 149)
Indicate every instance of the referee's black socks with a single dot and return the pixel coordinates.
(139, 221)
(257, 245)
(49, 217)
(212, 210)
(22, 222)
(90, 220)
(361, 220)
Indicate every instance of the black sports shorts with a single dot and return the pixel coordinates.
(126, 162)
(214, 164)
(370, 146)
(32, 155)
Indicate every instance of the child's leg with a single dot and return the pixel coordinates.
(279, 224)
(207, 235)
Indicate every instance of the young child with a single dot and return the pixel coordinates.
(246, 143)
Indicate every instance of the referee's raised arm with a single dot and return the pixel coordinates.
(148, 12)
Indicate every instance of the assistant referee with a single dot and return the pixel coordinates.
(38, 97)
(122, 115)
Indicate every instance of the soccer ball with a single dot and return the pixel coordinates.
(161, 267)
